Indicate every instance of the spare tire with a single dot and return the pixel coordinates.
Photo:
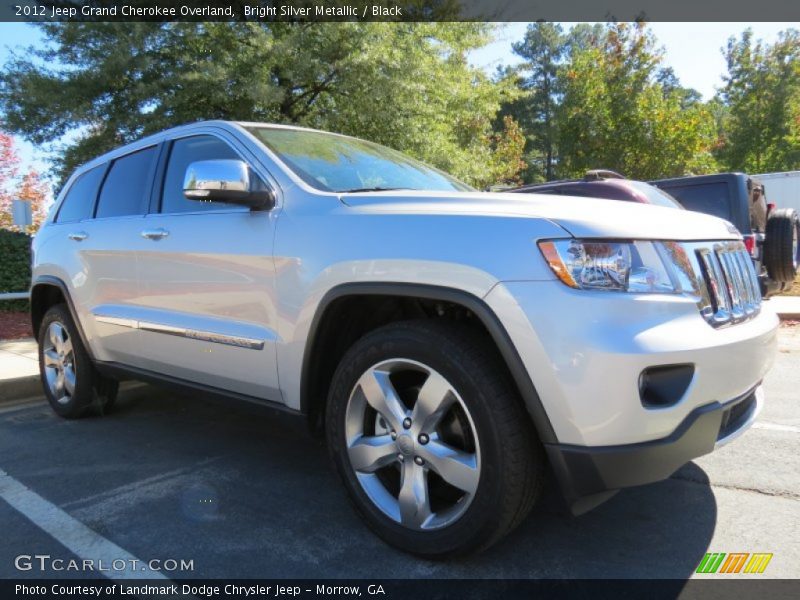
(780, 246)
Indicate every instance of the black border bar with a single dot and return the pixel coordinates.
(399, 10)
(708, 587)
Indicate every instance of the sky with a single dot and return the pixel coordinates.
(693, 50)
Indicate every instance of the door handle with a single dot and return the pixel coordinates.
(78, 236)
(155, 234)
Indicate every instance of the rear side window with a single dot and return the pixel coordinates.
(79, 201)
(709, 198)
(127, 184)
(184, 152)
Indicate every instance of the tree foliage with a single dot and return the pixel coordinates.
(542, 51)
(30, 187)
(761, 124)
(590, 96)
(406, 85)
(615, 113)
(599, 96)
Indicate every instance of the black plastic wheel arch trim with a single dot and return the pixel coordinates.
(469, 301)
(53, 281)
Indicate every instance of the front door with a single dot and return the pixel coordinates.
(206, 306)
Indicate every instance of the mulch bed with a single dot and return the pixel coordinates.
(15, 325)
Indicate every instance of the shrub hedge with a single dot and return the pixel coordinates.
(15, 267)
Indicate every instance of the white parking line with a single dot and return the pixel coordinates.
(776, 427)
(72, 534)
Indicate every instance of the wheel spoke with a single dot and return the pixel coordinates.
(415, 508)
(69, 380)
(56, 336)
(58, 388)
(433, 401)
(381, 395)
(456, 467)
(370, 453)
(51, 358)
(67, 347)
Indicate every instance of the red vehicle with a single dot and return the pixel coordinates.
(608, 185)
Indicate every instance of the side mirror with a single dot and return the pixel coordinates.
(228, 181)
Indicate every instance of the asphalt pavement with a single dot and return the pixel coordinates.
(240, 494)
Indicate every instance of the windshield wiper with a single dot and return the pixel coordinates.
(372, 189)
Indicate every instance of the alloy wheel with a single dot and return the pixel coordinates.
(59, 362)
(412, 444)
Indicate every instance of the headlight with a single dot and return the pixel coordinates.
(637, 267)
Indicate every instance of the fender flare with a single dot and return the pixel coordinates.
(53, 281)
(473, 303)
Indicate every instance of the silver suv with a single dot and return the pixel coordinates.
(448, 343)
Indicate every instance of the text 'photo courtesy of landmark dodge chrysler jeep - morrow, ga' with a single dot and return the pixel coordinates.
(452, 346)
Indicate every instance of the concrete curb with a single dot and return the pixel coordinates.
(19, 370)
(786, 307)
(12, 390)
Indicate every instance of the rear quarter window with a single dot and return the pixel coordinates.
(79, 201)
(709, 198)
(126, 188)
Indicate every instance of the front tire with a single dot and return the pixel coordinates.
(71, 383)
(431, 440)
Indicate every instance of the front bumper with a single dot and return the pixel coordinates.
(585, 352)
(590, 475)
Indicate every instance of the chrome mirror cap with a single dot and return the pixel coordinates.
(226, 180)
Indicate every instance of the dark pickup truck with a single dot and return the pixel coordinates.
(770, 234)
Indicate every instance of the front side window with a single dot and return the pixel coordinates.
(126, 187)
(79, 201)
(184, 152)
(334, 163)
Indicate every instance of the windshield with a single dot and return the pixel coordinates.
(655, 195)
(334, 163)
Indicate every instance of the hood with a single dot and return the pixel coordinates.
(582, 217)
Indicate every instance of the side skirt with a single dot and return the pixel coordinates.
(266, 406)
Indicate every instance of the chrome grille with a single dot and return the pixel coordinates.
(733, 292)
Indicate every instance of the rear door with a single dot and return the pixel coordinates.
(105, 286)
(207, 304)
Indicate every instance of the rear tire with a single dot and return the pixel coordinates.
(71, 383)
(781, 252)
(447, 475)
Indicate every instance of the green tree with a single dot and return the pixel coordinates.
(615, 114)
(542, 51)
(761, 127)
(406, 85)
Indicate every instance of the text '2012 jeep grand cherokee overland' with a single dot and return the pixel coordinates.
(449, 343)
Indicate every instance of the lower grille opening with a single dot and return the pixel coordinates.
(664, 385)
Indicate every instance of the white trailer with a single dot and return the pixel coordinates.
(782, 189)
